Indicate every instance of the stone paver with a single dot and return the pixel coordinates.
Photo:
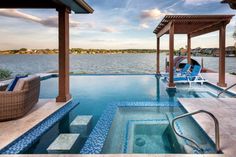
(11, 130)
(213, 78)
(224, 110)
(64, 143)
(82, 125)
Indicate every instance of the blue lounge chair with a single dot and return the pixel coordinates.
(194, 77)
(182, 72)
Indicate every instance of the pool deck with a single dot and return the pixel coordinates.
(213, 79)
(11, 130)
(224, 110)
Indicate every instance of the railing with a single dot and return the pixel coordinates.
(225, 90)
(217, 130)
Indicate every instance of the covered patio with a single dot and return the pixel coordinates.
(64, 8)
(193, 26)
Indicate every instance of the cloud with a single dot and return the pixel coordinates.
(199, 2)
(120, 20)
(144, 26)
(152, 14)
(109, 30)
(49, 22)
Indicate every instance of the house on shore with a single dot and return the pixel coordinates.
(196, 51)
(230, 51)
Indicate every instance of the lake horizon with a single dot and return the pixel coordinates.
(139, 63)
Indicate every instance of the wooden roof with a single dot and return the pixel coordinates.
(193, 25)
(78, 6)
(232, 3)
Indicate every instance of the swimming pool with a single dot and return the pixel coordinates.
(96, 93)
(145, 128)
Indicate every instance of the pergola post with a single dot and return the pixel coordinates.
(222, 57)
(158, 56)
(189, 49)
(171, 57)
(63, 32)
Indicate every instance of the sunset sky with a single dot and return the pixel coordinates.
(115, 24)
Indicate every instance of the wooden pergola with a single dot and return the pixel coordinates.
(192, 25)
(64, 8)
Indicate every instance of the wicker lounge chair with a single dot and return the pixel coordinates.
(17, 103)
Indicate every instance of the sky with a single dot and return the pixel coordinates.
(115, 24)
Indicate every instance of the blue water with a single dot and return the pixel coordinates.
(147, 130)
(96, 92)
(100, 63)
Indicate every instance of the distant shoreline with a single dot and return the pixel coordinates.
(113, 54)
(80, 51)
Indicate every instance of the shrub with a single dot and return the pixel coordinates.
(5, 74)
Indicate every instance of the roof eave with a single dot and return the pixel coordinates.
(85, 6)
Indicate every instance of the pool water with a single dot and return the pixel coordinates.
(96, 92)
(147, 130)
(153, 138)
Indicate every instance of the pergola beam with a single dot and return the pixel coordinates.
(164, 30)
(9, 4)
(208, 29)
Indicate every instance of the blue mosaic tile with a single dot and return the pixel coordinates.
(25, 141)
(96, 140)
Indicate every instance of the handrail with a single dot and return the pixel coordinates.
(225, 90)
(217, 130)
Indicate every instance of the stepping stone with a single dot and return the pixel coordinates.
(64, 143)
(81, 125)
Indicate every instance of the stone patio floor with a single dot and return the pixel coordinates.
(224, 110)
(11, 130)
(213, 79)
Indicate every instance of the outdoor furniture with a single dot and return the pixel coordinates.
(194, 77)
(181, 72)
(15, 104)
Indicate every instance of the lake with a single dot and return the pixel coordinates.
(99, 63)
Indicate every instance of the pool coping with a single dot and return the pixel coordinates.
(25, 141)
(96, 140)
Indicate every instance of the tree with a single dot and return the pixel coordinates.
(23, 49)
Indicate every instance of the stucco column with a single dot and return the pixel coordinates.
(171, 57)
(63, 32)
(222, 58)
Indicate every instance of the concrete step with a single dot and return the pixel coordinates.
(82, 125)
(64, 143)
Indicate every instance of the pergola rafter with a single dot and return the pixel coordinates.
(192, 25)
(64, 8)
